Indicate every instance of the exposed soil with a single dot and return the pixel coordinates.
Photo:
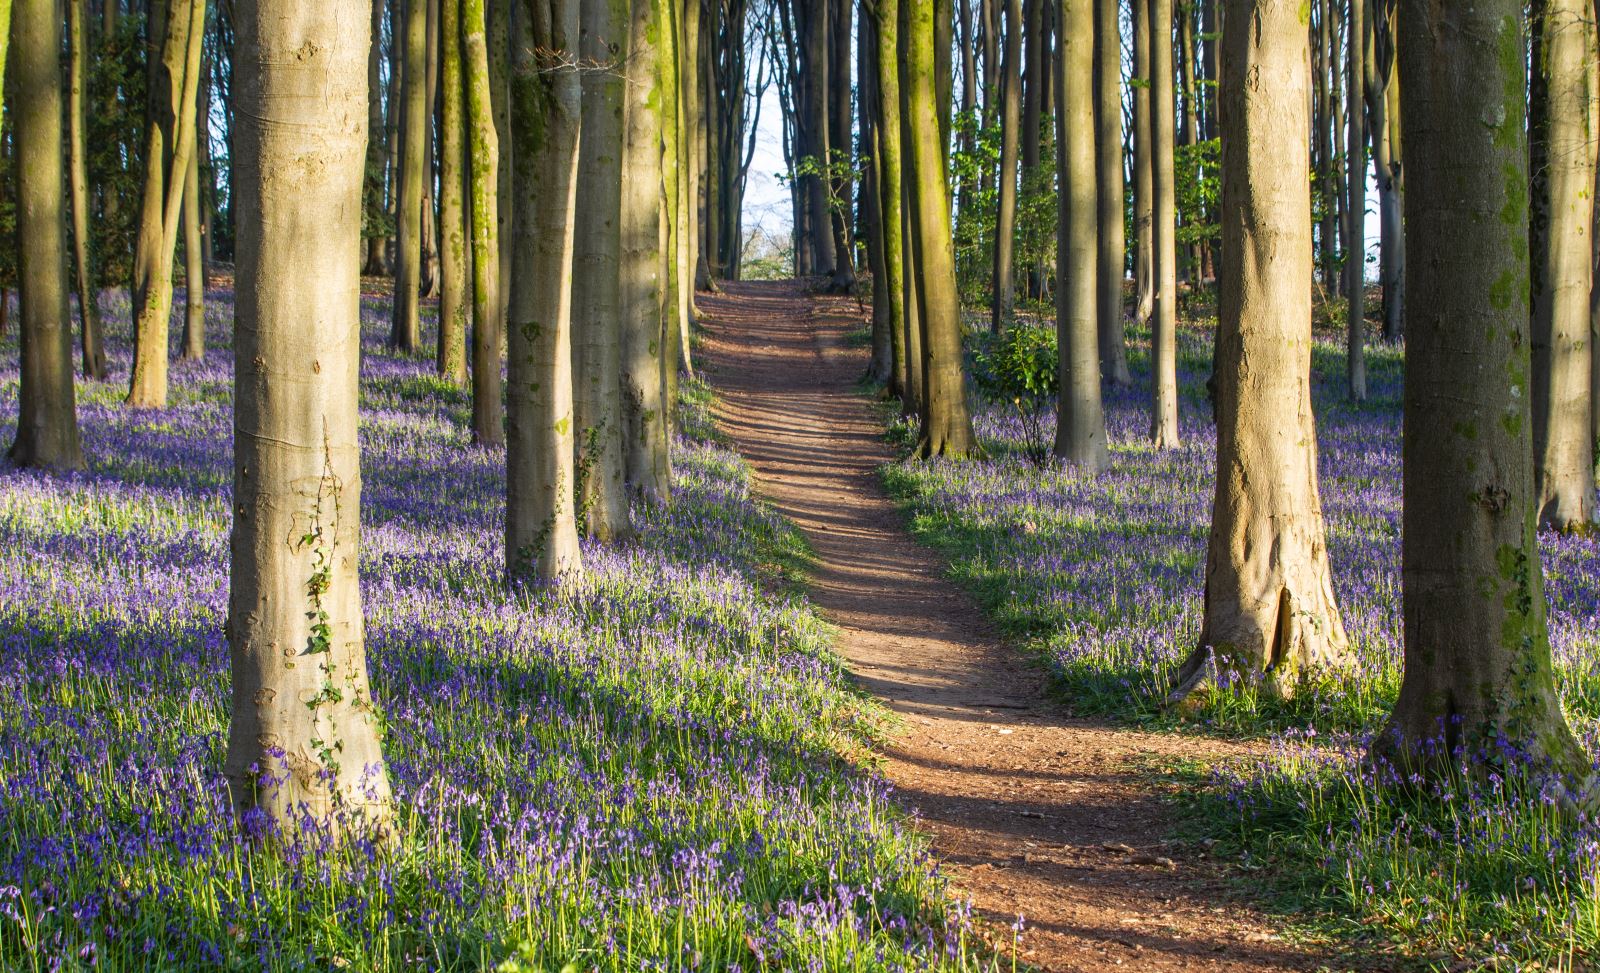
(1031, 811)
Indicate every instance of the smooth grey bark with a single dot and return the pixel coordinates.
(498, 24)
(405, 329)
(546, 108)
(1080, 419)
(1002, 306)
(1477, 676)
(47, 422)
(1355, 259)
(1270, 614)
(596, 299)
(305, 737)
(194, 267)
(1163, 234)
(1561, 219)
(647, 471)
(486, 205)
(1110, 256)
(92, 333)
(455, 297)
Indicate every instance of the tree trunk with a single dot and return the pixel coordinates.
(305, 737)
(881, 366)
(541, 522)
(1270, 615)
(840, 150)
(946, 424)
(1112, 236)
(194, 267)
(1163, 236)
(1143, 173)
(47, 422)
(483, 163)
(890, 166)
(1477, 650)
(644, 427)
(596, 304)
(377, 145)
(94, 355)
(815, 79)
(1355, 260)
(1561, 161)
(1380, 82)
(169, 144)
(430, 160)
(405, 332)
(1324, 144)
(1002, 307)
(450, 355)
(1080, 421)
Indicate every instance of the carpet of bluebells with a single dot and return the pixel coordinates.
(649, 772)
(1102, 578)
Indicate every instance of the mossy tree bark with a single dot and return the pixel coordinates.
(1562, 173)
(1270, 615)
(93, 341)
(455, 307)
(305, 738)
(47, 422)
(946, 423)
(881, 367)
(890, 167)
(596, 298)
(1003, 302)
(1080, 418)
(1163, 234)
(546, 106)
(169, 144)
(1355, 170)
(485, 203)
(498, 17)
(194, 266)
(1477, 651)
(1111, 255)
(405, 330)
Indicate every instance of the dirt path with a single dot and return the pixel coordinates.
(1025, 806)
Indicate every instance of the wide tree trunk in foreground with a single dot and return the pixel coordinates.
(1163, 235)
(93, 342)
(946, 423)
(169, 143)
(1561, 160)
(450, 350)
(1111, 254)
(1005, 234)
(547, 96)
(1355, 258)
(644, 418)
(1270, 616)
(47, 422)
(1080, 419)
(405, 328)
(304, 738)
(1477, 649)
(596, 303)
(483, 162)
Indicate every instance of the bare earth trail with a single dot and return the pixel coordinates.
(1025, 806)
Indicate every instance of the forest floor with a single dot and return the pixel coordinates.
(1033, 813)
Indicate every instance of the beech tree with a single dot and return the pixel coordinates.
(1355, 259)
(1562, 176)
(304, 738)
(1110, 256)
(47, 423)
(1270, 615)
(1143, 171)
(405, 330)
(1005, 234)
(92, 341)
(1477, 651)
(546, 107)
(1163, 234)
(485, 203)
(455, 307)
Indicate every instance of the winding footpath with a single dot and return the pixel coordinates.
(1030, 811)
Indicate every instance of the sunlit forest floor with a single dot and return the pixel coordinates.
(1101, 578)
(657, 770)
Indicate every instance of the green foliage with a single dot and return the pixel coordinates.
(1198, 173)
(1020, 366)
(973, 166)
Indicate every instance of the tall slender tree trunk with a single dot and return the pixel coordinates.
(1110, 254)
(1143, 172)
(1080, 419)
(498, 23)
(880, 368)
(840, 149)
(455, 307)
(1187, 76)
(305, 736)
(485, 203)
(47, 421)
(1355, 259)
(405, 332)
(1270, 614)
(1562, 164)
(1327, 249)
(1477, 650)
(541, 523)
(430, 161)
(194, 266)
(377, 144)
(93, 341)
(887, 128)
(1002, 307)
(946, 423)
(815, 97)
(169, 144)
(596, 299)
(1163, 236)
(644, 425)
(1380, 84)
